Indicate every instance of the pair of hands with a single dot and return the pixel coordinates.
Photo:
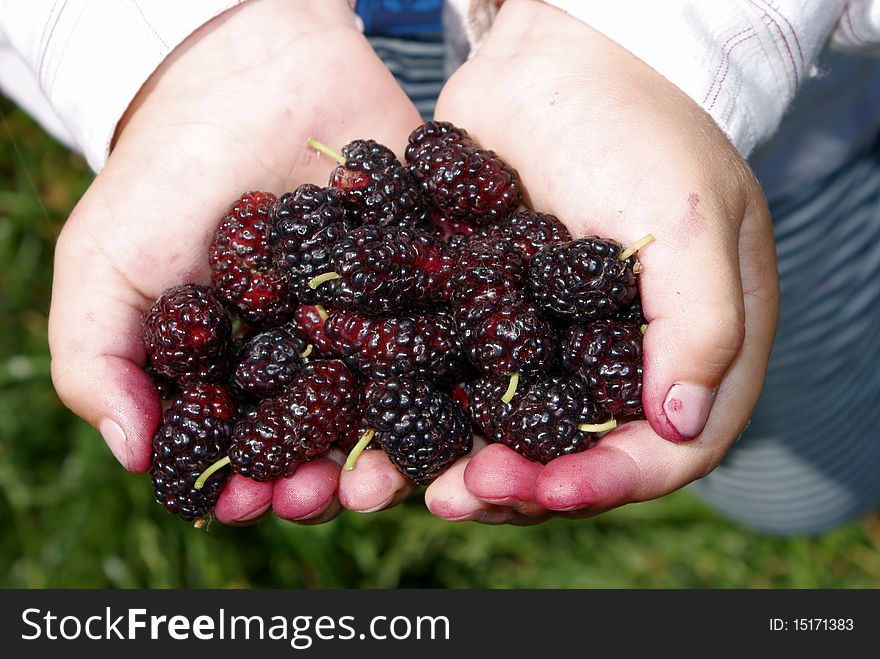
(599, 139)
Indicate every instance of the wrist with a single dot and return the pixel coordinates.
(250, 35)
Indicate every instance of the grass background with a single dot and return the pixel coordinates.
(71, 517)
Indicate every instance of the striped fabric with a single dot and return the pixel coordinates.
(418, 67)
(409, 37)
(810, 458)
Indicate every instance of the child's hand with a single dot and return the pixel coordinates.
(228, 112)
(612, 148)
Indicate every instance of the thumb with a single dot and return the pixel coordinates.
(693, 299)
(96, 345)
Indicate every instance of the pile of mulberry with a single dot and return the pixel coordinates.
(402, 308)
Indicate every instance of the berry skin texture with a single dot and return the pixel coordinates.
(375, 187)
(388, 269)
(435, 135)
(608, 354)
(322, 403)
(582, 280)
(195, 432)
(541, 421)
(422, 429)
(633, 314)
(500, 330)
(187, 335)
(307, 223)
(268, 362)
(412, 345)
(166, 388)
(527, 232)
(264, 442)
(487, 269)
(241, 263)
(514, 339)
(309, 324)
(462, 180)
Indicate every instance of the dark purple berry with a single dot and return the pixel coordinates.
(462, 180)
(268, 362)
(513, 339)
(322, 403)
(582, 280)
(375, 187)
(542, 420)
(608, 354)
(526, 231)
(633, 314)
(195, 432)
(422, 429)
(500, 330)
(384, 269)
(265, 442)
(308, 222)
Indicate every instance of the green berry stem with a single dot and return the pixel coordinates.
(308, 351)
(598, 427)
(511, 388)
(635, 247)
(643, 328)
(320, 279)
(326, 150)
(205, 475)
(351, 460)
(322, 312)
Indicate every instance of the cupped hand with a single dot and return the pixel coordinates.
(229, 111)
(612, 148)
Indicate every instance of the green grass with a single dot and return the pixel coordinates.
(70, 517)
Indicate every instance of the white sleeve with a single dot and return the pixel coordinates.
(741, 60)
(859, 27)
(75, 65)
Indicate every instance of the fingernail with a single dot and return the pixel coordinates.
(116, 441)
(687, 408)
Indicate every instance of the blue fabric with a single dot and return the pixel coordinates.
(401, 18)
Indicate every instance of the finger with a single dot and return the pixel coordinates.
(449, 498)
(374, 484)
(96, 346)
(309, 493)
(691, 290)
(501, 476)
(243, 501)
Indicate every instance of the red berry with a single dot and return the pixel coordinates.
(187, 335)
(462, 180)
(241, 263)
(412, 345)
